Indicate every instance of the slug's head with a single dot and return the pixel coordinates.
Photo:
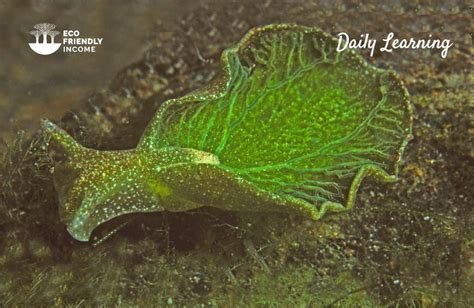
(83, 179)
(97, 186)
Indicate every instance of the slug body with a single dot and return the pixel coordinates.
(290, 125)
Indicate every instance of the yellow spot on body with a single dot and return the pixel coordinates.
(159, 188)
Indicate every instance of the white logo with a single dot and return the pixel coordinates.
(72, 41)
(44, 35)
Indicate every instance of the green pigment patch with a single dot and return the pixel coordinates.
(290, 125)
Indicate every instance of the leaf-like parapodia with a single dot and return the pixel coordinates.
(294, 117)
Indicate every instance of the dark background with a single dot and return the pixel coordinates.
(34, 86)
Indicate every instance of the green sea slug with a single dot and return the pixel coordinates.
(290, 125)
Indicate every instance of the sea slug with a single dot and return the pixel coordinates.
(289, 125)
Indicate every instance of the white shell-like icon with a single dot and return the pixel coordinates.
(45, 49)
(45, 33)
